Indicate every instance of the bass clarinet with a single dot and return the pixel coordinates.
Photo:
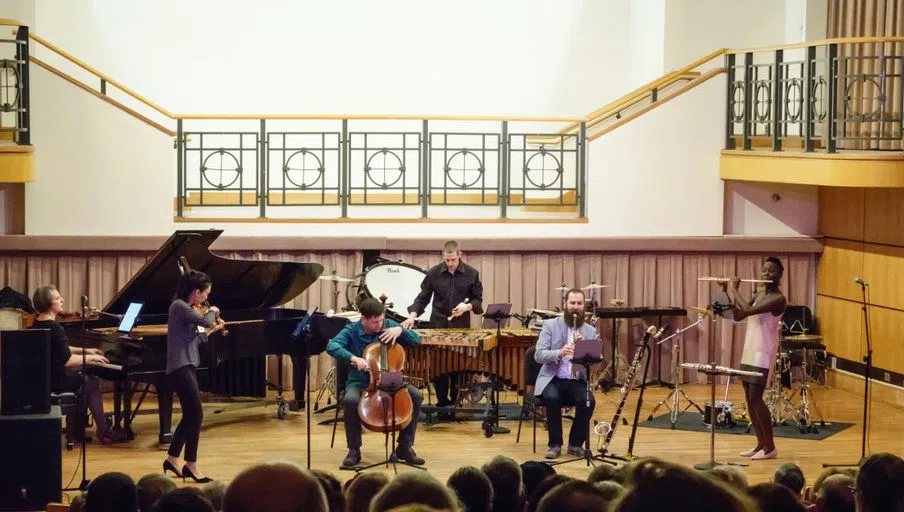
(608, 429)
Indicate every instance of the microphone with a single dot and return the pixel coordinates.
(84, 305)
(860, 281)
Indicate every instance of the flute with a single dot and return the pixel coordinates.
(726, 279)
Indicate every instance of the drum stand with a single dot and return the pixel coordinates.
(676, 392)
(803, 408)
(779, 403)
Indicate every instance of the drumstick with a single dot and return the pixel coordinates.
(462, 302)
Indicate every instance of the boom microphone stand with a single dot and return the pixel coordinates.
(867, 370)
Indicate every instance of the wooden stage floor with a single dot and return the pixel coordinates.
(233, 440)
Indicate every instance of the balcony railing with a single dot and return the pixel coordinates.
(841, 95)
(14, 90)
(291, 166)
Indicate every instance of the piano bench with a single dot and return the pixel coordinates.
(68, 403)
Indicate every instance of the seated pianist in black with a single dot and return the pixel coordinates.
(64, 360)
(348, 347)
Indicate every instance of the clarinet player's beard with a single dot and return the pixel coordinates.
(574, 320)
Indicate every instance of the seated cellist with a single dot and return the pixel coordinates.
(348, 348)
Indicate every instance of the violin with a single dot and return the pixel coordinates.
(204, 308)
(379, 410)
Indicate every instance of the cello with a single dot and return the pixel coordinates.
(380, 410)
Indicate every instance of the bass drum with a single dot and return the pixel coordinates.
(400, 283)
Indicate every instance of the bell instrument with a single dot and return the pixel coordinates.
(727, 279)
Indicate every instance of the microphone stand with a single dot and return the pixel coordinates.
(491, 423)
(82, 407)
(867, 370)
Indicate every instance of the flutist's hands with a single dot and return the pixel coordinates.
(409, 322)
(389, 336)
(359, 363)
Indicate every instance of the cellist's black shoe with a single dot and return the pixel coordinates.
(407, 454)
(352, 459)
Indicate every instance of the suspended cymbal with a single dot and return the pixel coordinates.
(546, 312)
(803, 337)
(340, 279)
(594, 286)
(562, 288)
(702, 311)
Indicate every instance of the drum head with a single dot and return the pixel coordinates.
(400, 283)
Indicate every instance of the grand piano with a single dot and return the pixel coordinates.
(234, 365)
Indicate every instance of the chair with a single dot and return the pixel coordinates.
(341, 376)
(531, 402)
(69, 408)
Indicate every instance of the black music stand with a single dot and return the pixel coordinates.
(586, 362)
(491, 422)
(721, 306)
(302, 334)
(390, 383)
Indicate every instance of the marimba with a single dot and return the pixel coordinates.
(450, 351)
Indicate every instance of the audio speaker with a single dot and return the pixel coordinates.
(32, 462)
(25, 372)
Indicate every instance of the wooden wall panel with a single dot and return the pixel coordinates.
(841, 212)
(883, 269)
(884, 216)
(885, 335)
(841, 326)
(841, 260)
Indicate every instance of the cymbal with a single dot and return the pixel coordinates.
(802, 337)
(595, 286)
(702, 311)
(562, 288)
(333, 277)
(546, 312)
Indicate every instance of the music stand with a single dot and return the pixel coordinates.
(493, 311)
(586, 354)
(390, 383)
(491, 422)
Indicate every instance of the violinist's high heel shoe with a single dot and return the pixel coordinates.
(168, 466)
(186, 473)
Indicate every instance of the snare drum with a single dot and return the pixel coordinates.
(400, 283)
(724, 410)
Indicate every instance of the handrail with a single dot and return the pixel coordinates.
(103, 97)
(687, 87)
(821, 42)
(98, 74)
(380, 117)
(10, 22)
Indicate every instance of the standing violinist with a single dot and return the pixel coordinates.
(188, 325)
(348, 348)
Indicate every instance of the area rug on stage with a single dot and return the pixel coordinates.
(692, 421)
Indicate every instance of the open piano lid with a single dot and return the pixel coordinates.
(237, 284)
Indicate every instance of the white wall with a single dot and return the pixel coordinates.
(775, 209)
(657, 176)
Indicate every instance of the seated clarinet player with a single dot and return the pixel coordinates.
(348, 347)
(559, 382)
